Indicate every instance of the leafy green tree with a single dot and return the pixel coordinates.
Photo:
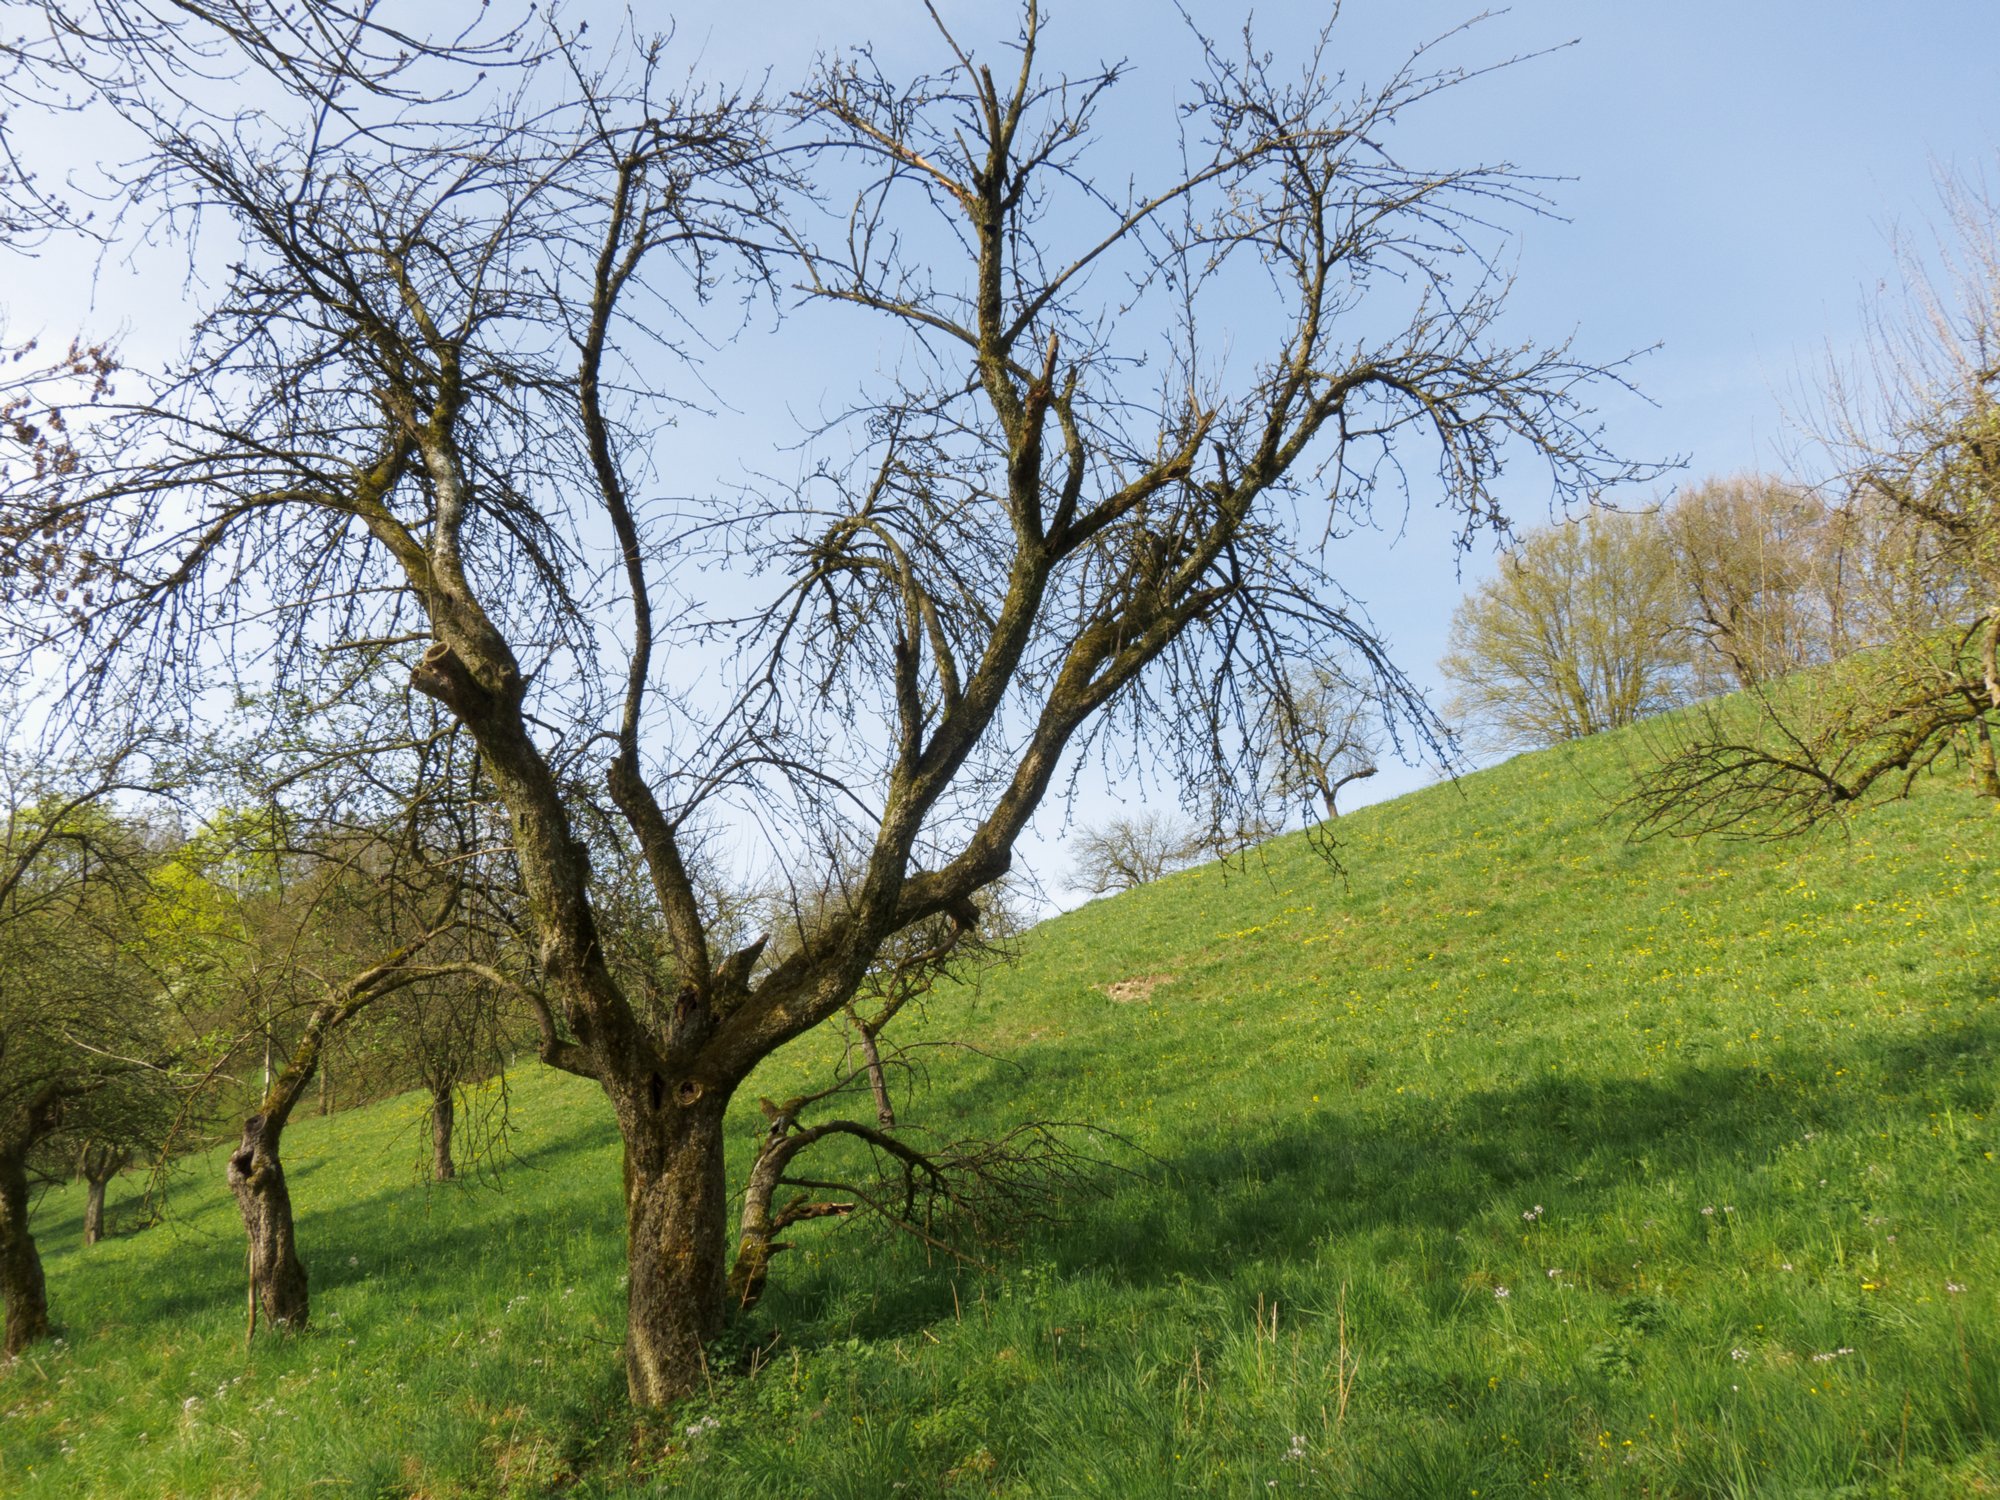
(83, 1040)
(1771, 578)
(1578, 632)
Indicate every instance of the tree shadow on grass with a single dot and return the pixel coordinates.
(1277, 1192)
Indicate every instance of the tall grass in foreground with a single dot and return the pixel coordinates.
(1519, 1161)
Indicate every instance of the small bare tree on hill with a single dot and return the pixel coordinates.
(1122, 853)
(1324, 734)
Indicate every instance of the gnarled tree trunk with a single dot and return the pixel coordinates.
(677, 1215)
(442, 1113)
(22, 1285)
(256, 1175)
(257, 1178)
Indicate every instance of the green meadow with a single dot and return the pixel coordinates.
(1509, 1158)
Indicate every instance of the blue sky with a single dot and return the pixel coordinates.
(1735, 174)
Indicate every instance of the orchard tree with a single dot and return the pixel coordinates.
(1323, 734)
(355, 880)
(1088, 497)
(354, 930)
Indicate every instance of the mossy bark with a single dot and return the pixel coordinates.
(676, 1210)
(257, 1178)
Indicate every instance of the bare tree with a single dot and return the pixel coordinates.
(1122, 853)
(449, 1032)
(426, 391)
(89, 60)
(1325, 733)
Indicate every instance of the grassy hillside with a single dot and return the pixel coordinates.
(1519, 1160)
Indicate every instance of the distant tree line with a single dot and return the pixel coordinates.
(1910, 431)
(1853, 615)
(1615, 615)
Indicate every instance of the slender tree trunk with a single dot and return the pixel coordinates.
(99, 1163)
(93, 1212)
(22, 1285)
(677, 1224)
(256, 1177)
(885, 1112)
(442, 1112)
